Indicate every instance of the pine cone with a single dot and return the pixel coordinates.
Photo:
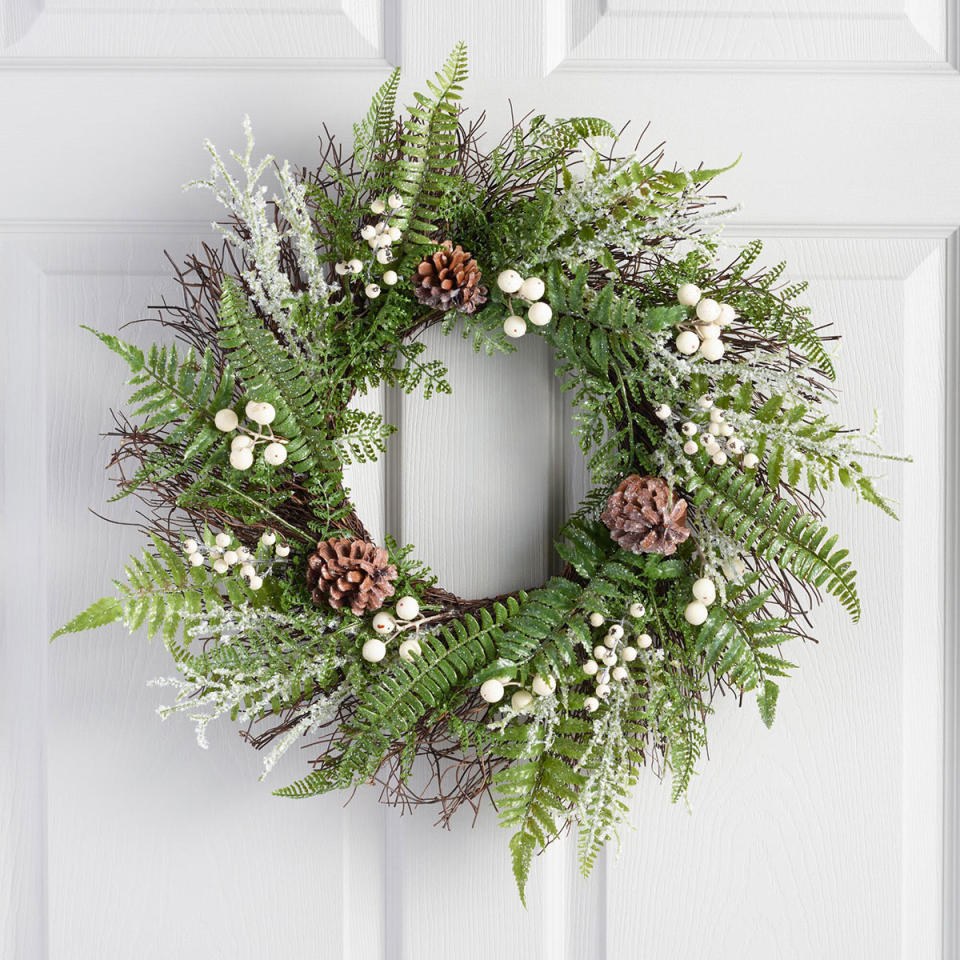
(351, 573)
(644, 517)
(448, 279)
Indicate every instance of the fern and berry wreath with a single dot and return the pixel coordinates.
(699, 389)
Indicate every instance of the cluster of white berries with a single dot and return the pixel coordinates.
(711, 317)
(227, 553)
(704, 593)
(407, 612)
(610, 658)
(717, 438)
(494, 690)
(244, 444)
(380, 237)
(531, 290)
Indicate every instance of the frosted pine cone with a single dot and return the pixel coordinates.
(644, 517)
(449, 279)
(351, 573)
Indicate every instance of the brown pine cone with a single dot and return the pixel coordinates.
(351, 573)
(449, 279)
(644, 517)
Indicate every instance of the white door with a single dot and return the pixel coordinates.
(831, 837)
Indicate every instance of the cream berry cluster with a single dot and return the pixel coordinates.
(717, 437)
(380, 237)
(611, 656)
(494, 690)
(226, 554)
(248, 438)
(704, 334)
(405, 616)
(531, 290)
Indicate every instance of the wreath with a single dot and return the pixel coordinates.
(699, 390)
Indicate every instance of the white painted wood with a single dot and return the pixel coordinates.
(824, 837)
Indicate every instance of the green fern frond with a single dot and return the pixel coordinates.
(776, 531)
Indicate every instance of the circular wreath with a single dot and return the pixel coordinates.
(699, 391)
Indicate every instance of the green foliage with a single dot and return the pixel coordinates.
(429, 152)
(98, 614)
(776, 530)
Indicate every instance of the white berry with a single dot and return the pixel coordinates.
(705, 402)
(663, 412)
(644, 641)
(261, 413)
(708, 311)
(687, 342)
(596, 620)
(603, 690)
(691, 447)
(532, 289)
(619, 673)
(378, 207)
(231, 557)
(354, 265)
(591, 704)
(407, 608)
(243, 441)
(390, 277)
(719, 458)
(715, 429)
(615, 631)
(543, 686)
(509, 281)
(514, 327)
(409, 649)
(637, 609)
(695, 613)
(629, 654)
(220, 566)
(368, 232)
(689, 428)
(223, 540)
(704, 591)
(521, 700)
(283, 550)
(688, 294)
(384, 255)
(190, 546)
(394, 233)
(735, 445)
(268, 538)
(341, 268)
(727, 315)
(241, 459)
(610, 659)
(384, 623)
(275, 454)
(610, 640)
(374, 650)
(711, 350)
(599, 651)
(590, 667)
(372, 290)
(540, 313)
(750, 461)
(726, 430)
(226, 420)
(708, 331)
(394, 201)
(492, 690)
(248, 570)
(196, 559)
(255, 582)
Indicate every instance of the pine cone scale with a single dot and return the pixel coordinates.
(644, 517)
